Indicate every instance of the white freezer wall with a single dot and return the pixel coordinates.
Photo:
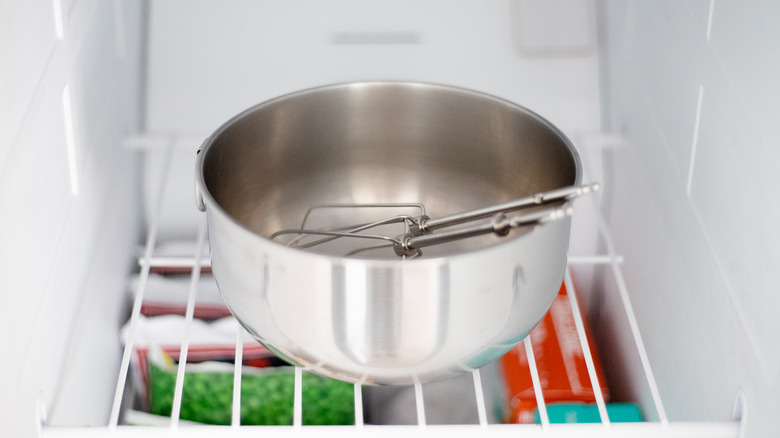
(69, 221)
(692, 89)
(689, 86)
(80, 76)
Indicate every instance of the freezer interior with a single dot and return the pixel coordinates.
(672, 265)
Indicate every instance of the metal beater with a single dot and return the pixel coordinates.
(418, 231)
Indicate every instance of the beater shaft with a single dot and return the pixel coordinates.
(408, 243)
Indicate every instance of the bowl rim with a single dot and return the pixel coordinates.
(207, 201)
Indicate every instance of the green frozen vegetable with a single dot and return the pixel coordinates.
(266, 395)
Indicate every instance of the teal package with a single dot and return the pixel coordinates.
(589, 413)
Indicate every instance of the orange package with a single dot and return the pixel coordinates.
(560, 362)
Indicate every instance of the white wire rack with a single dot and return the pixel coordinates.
(660, 427)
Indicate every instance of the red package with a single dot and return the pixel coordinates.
(560, 362)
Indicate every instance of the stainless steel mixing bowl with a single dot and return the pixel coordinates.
(383, 319)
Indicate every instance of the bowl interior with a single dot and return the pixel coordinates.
(447, 148)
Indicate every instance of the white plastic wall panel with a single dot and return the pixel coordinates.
(555, 27)
(693, 91)
(27, 38)
(741, 161)
(70, 217)
(207, 62)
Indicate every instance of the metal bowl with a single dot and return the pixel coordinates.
(369, 318)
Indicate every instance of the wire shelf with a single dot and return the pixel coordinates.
(660, 427)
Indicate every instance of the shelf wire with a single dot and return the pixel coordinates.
(148, 260)
(585, 347)
(235, 419)
(358, 405)
(536, 382)
(151, 239)
(603, 229)
(420, 402)
(184, 351)
(480, 396)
